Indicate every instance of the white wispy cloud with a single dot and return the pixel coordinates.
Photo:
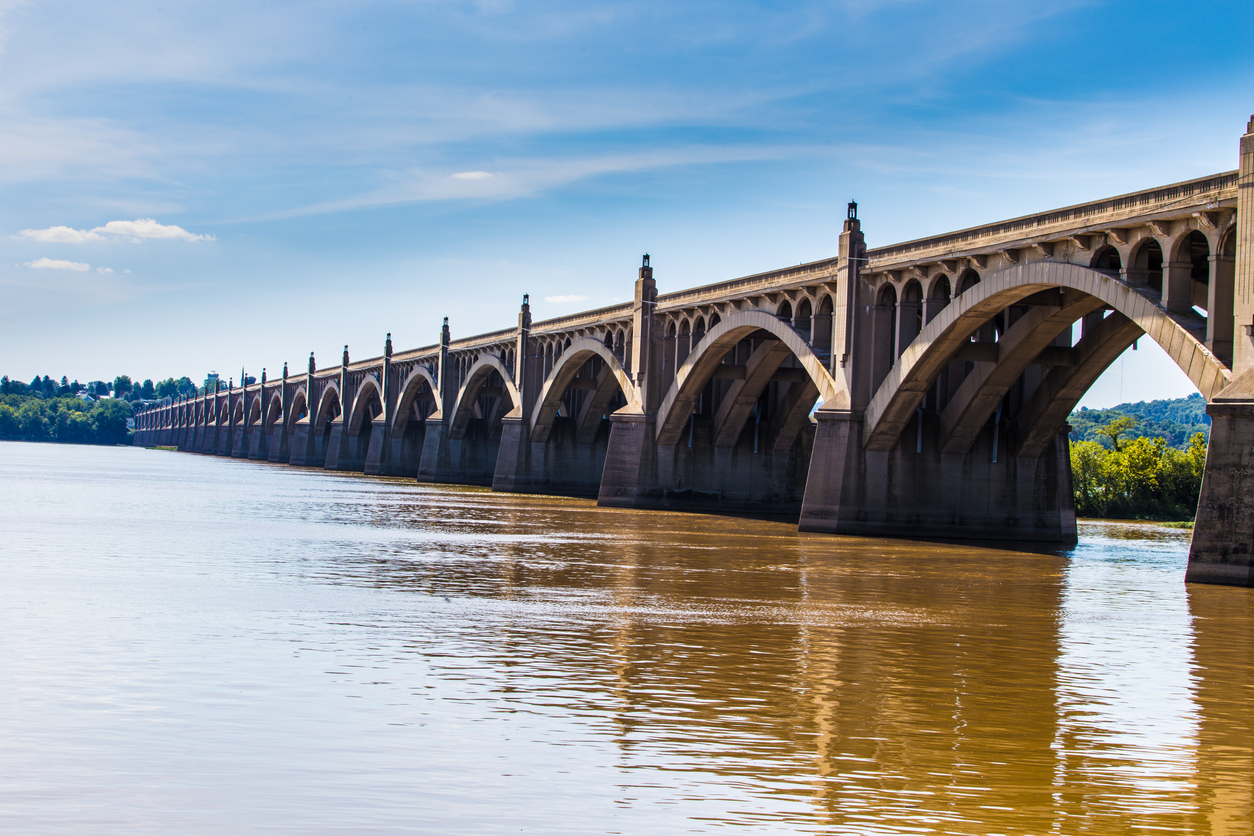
(105, 270)
(140, 229)
(524, 178)
(473, 175)
(566, 299)
(147, 228)
(60, 235)
(57, 264)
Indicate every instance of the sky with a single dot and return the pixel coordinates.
(190, 186)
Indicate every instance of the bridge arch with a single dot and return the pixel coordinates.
(476, 376)
(368, 396)
(418, 380)
(612, 378)
(707, 355)
(274, 408)
(300, 407)
(903, 389)
(254, 411)
(328, 409)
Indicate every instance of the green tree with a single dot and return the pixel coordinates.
(1088, 478)
(121, 385)
(109, 419)
(30, 421)
(1117, 428)
(9, 428)
(167, 388)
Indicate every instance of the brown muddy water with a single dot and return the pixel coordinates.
(191, 645)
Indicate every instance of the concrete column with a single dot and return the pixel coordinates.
(1222, 550)
(337, 442)
(435, 443)
(1219, 313)
(514, 455)
(850, 253)
(907, 325)
(646, 353)
(380, 449)
(1243, 299)
(629, 476)
(301, 443)
(1178, 286)
(280, 450)
(883, 344)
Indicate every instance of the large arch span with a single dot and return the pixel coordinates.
(1081, 290)
(613, 378)
(703, 361)
(476, 377)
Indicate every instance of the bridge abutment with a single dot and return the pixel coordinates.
(1222, 550)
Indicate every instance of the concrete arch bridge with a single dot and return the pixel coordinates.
(943, 371)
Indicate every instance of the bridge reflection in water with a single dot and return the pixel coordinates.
(943, 371)
(859, 685)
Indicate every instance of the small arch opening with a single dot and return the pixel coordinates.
(1107, 260)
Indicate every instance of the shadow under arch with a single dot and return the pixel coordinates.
(273, 409)
(708, 354)
(328, 409)
(254, 412)
(476, 377)
(612, 378)
(300, 406)
(411, 390)
(908, 381)
(368, 392)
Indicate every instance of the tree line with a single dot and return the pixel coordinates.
(1126, 476)
(1176, 420)
(121, 387)
(67, 411)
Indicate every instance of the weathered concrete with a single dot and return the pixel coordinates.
(944, 370)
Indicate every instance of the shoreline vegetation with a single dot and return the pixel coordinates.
(1140, 461)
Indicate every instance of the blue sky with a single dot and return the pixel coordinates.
(319, 174)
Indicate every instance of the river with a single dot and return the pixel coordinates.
(193, 645)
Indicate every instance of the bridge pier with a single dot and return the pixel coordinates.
(277, 445)
(1222, 550)
(560, 465)
(301, 445)
(468, 460)
(916, 490)
(695, 474)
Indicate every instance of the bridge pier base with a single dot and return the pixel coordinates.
(300, 444)
(396, 455)
(276, 446)
(348, 451)
(914, 490)
(1222, 551)
(629, 476)
(560, 466)
(468, 460)
(697, 475)
(239, 442)
(258, 449)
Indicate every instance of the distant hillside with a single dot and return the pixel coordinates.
(1175, 420)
